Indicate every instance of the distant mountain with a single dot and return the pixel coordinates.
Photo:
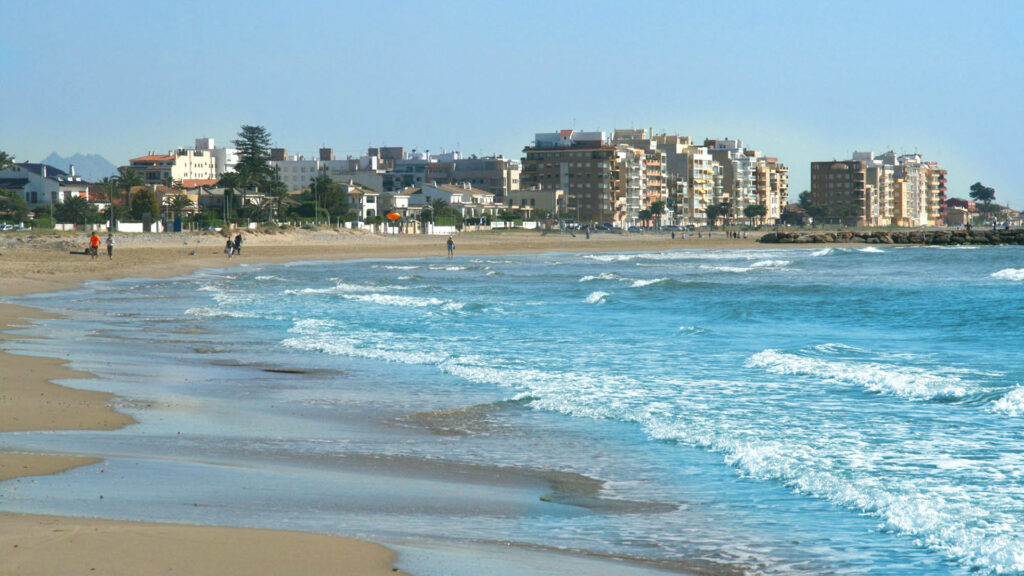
(91, 167)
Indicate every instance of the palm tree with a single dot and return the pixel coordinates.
(278, 192)
(657, 209)
(6, 160)
(180, 203)
(129, 178)
(110, 184)
(230, 182)
(440, 208)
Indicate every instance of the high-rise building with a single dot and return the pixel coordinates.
(692, 175)
(839, 186)
(885, 190)
(584, 165)
(655, 169)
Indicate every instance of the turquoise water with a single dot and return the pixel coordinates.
(826, 410)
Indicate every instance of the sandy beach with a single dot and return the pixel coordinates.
(36, 263)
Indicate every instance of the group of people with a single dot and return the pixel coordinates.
(94, 245)
(233, 247)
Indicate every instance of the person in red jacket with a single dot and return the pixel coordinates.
(94, 244)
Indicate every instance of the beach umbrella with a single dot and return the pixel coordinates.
(394, 216)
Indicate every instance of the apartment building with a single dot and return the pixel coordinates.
(840, 186)
(694, 177)
(224, 159)
(655, 169)
(935, 192)
(895, 190)
(181, 165)
(296, 171)
(772, 187)
(584, 165)
(495, 174)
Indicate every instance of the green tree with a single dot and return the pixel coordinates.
(817, 212)
(6, 160)
(180, 203)
(278, 192)
(253, 169)
(754, 212)
(128, 178)
(657, 209)
(806, 199)
(76, 210)
(644, 216)
(13, 206)
(230, 182)
(144, 202)
(329, 196)
(716, 211)
(983, 194)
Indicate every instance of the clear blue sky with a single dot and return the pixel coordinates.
(802, 81)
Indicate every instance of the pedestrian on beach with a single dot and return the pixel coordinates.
(110, 245)
(238, 244)
(94, 245)
(451, 247)
(229, 248)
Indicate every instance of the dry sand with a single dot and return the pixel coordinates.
(31, 263)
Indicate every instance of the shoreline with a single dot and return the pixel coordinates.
(28, 389)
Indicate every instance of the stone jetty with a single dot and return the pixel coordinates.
(920, 237)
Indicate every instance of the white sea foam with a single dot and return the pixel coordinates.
(270, 277)
(218, 312)
(596, 297)
(648, 282)
(404, 301)
(871, 250)
(692, 329)
(771, 263)
(400, 267)
(1011, 404)
(904, 381)
(602, 276)
(732, 269)
(822, 252)
(339, 288)
(1014, 274)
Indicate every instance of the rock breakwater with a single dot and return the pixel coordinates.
(925, 237)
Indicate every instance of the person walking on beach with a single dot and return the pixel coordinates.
(110, 245)
(238, 244)
(451, 247)
(229, 248)
(94, 245)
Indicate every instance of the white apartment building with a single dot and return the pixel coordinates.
(180, 165)
(225, 159)
(297, 172)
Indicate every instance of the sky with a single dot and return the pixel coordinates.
(803, 81)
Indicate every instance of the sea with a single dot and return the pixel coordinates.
(820, 410)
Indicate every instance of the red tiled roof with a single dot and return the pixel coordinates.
(154, 158)
(565, 132)
(190, 183)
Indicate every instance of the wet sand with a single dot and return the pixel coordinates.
(33, 263)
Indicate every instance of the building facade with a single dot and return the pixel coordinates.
(890, 189)
(584, 165)
(179, 165)
(42, 184)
